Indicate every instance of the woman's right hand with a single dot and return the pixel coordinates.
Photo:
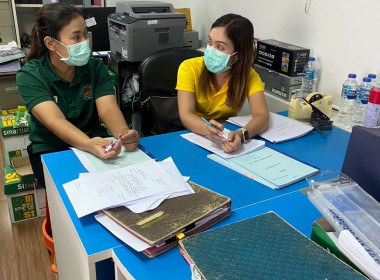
(214, 134)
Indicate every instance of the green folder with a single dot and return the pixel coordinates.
(262, 247)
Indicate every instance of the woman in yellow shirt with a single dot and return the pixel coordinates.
(216, 86)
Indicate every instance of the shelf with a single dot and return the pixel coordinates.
(29, 5)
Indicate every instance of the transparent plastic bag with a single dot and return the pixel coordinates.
(346, 206)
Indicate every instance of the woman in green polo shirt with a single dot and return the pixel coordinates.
(69, 94)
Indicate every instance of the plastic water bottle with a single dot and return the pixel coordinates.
(347, 100)
(361, 101)
(373, 79)
(309, 78)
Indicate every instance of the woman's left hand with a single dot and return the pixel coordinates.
(130, 139)
(233, 143)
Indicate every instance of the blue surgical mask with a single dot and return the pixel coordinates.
(216, 61)
(79, 53)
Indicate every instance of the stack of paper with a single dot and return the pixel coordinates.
(139, 187)
(349, 246)
(280, 128)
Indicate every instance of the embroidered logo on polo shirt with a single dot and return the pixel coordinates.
(86, 92)
(227, 104)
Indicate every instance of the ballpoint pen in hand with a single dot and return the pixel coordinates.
(110, 146)
(213, 126)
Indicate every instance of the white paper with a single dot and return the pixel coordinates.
(216, 148)
(280, 128)
(121, 233)
(100, 190)
(349, 246)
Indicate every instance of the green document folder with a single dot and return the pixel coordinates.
(262, 247)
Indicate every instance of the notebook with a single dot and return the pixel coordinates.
(174, 218)
(262, 247)
(280, 128)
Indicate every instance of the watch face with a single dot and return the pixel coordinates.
(246, 136)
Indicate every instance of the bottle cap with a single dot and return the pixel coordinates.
(311, 58)
(352, 75)
(366, 80)
(372, 76)
(374, 96)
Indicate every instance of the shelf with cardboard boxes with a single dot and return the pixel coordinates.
(26, 199)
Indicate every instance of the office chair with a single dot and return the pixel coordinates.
(157, 82)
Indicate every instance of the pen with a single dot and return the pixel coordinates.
(110, 146)
(213, 126)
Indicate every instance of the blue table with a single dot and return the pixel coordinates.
(85, 250)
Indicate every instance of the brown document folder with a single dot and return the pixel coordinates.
(174, 218)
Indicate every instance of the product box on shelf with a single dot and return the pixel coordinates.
(26, 200)
(282, 57)
(15, 135)
(278, 84)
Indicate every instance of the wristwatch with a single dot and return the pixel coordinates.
(245, 134)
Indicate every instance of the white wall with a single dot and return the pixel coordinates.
(343, 35)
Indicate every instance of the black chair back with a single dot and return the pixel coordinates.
(157, 82)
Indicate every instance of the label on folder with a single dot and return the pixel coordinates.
(275, 167)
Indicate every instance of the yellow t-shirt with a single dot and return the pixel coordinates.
(210, 106)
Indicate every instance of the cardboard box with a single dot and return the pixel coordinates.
(282, 57)
(15, 140)
(26, 200)
(9, 94)
(278, 84)
(186, 11)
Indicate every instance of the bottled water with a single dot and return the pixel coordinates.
(361, 101)
(309, 78)
(373, 79)
(347, 101)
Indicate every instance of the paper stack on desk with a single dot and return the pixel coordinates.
(280, 128)
(139, 187)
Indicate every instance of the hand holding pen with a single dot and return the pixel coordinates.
(219, 132)
(111, 146)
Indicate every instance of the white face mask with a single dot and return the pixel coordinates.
(79, 53)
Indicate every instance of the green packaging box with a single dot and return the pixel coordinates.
(26, 200)
(15, 140)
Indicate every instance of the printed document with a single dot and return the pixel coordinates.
(280, 128)
(132, 184)
(275, 167)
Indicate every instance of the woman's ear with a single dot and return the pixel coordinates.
(49, 43)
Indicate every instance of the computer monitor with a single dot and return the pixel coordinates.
(99, 32)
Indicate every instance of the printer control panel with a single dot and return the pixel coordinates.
(124, 18)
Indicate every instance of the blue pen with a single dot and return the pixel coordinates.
(213, 126)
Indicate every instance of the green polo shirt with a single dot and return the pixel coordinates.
(38, 82)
